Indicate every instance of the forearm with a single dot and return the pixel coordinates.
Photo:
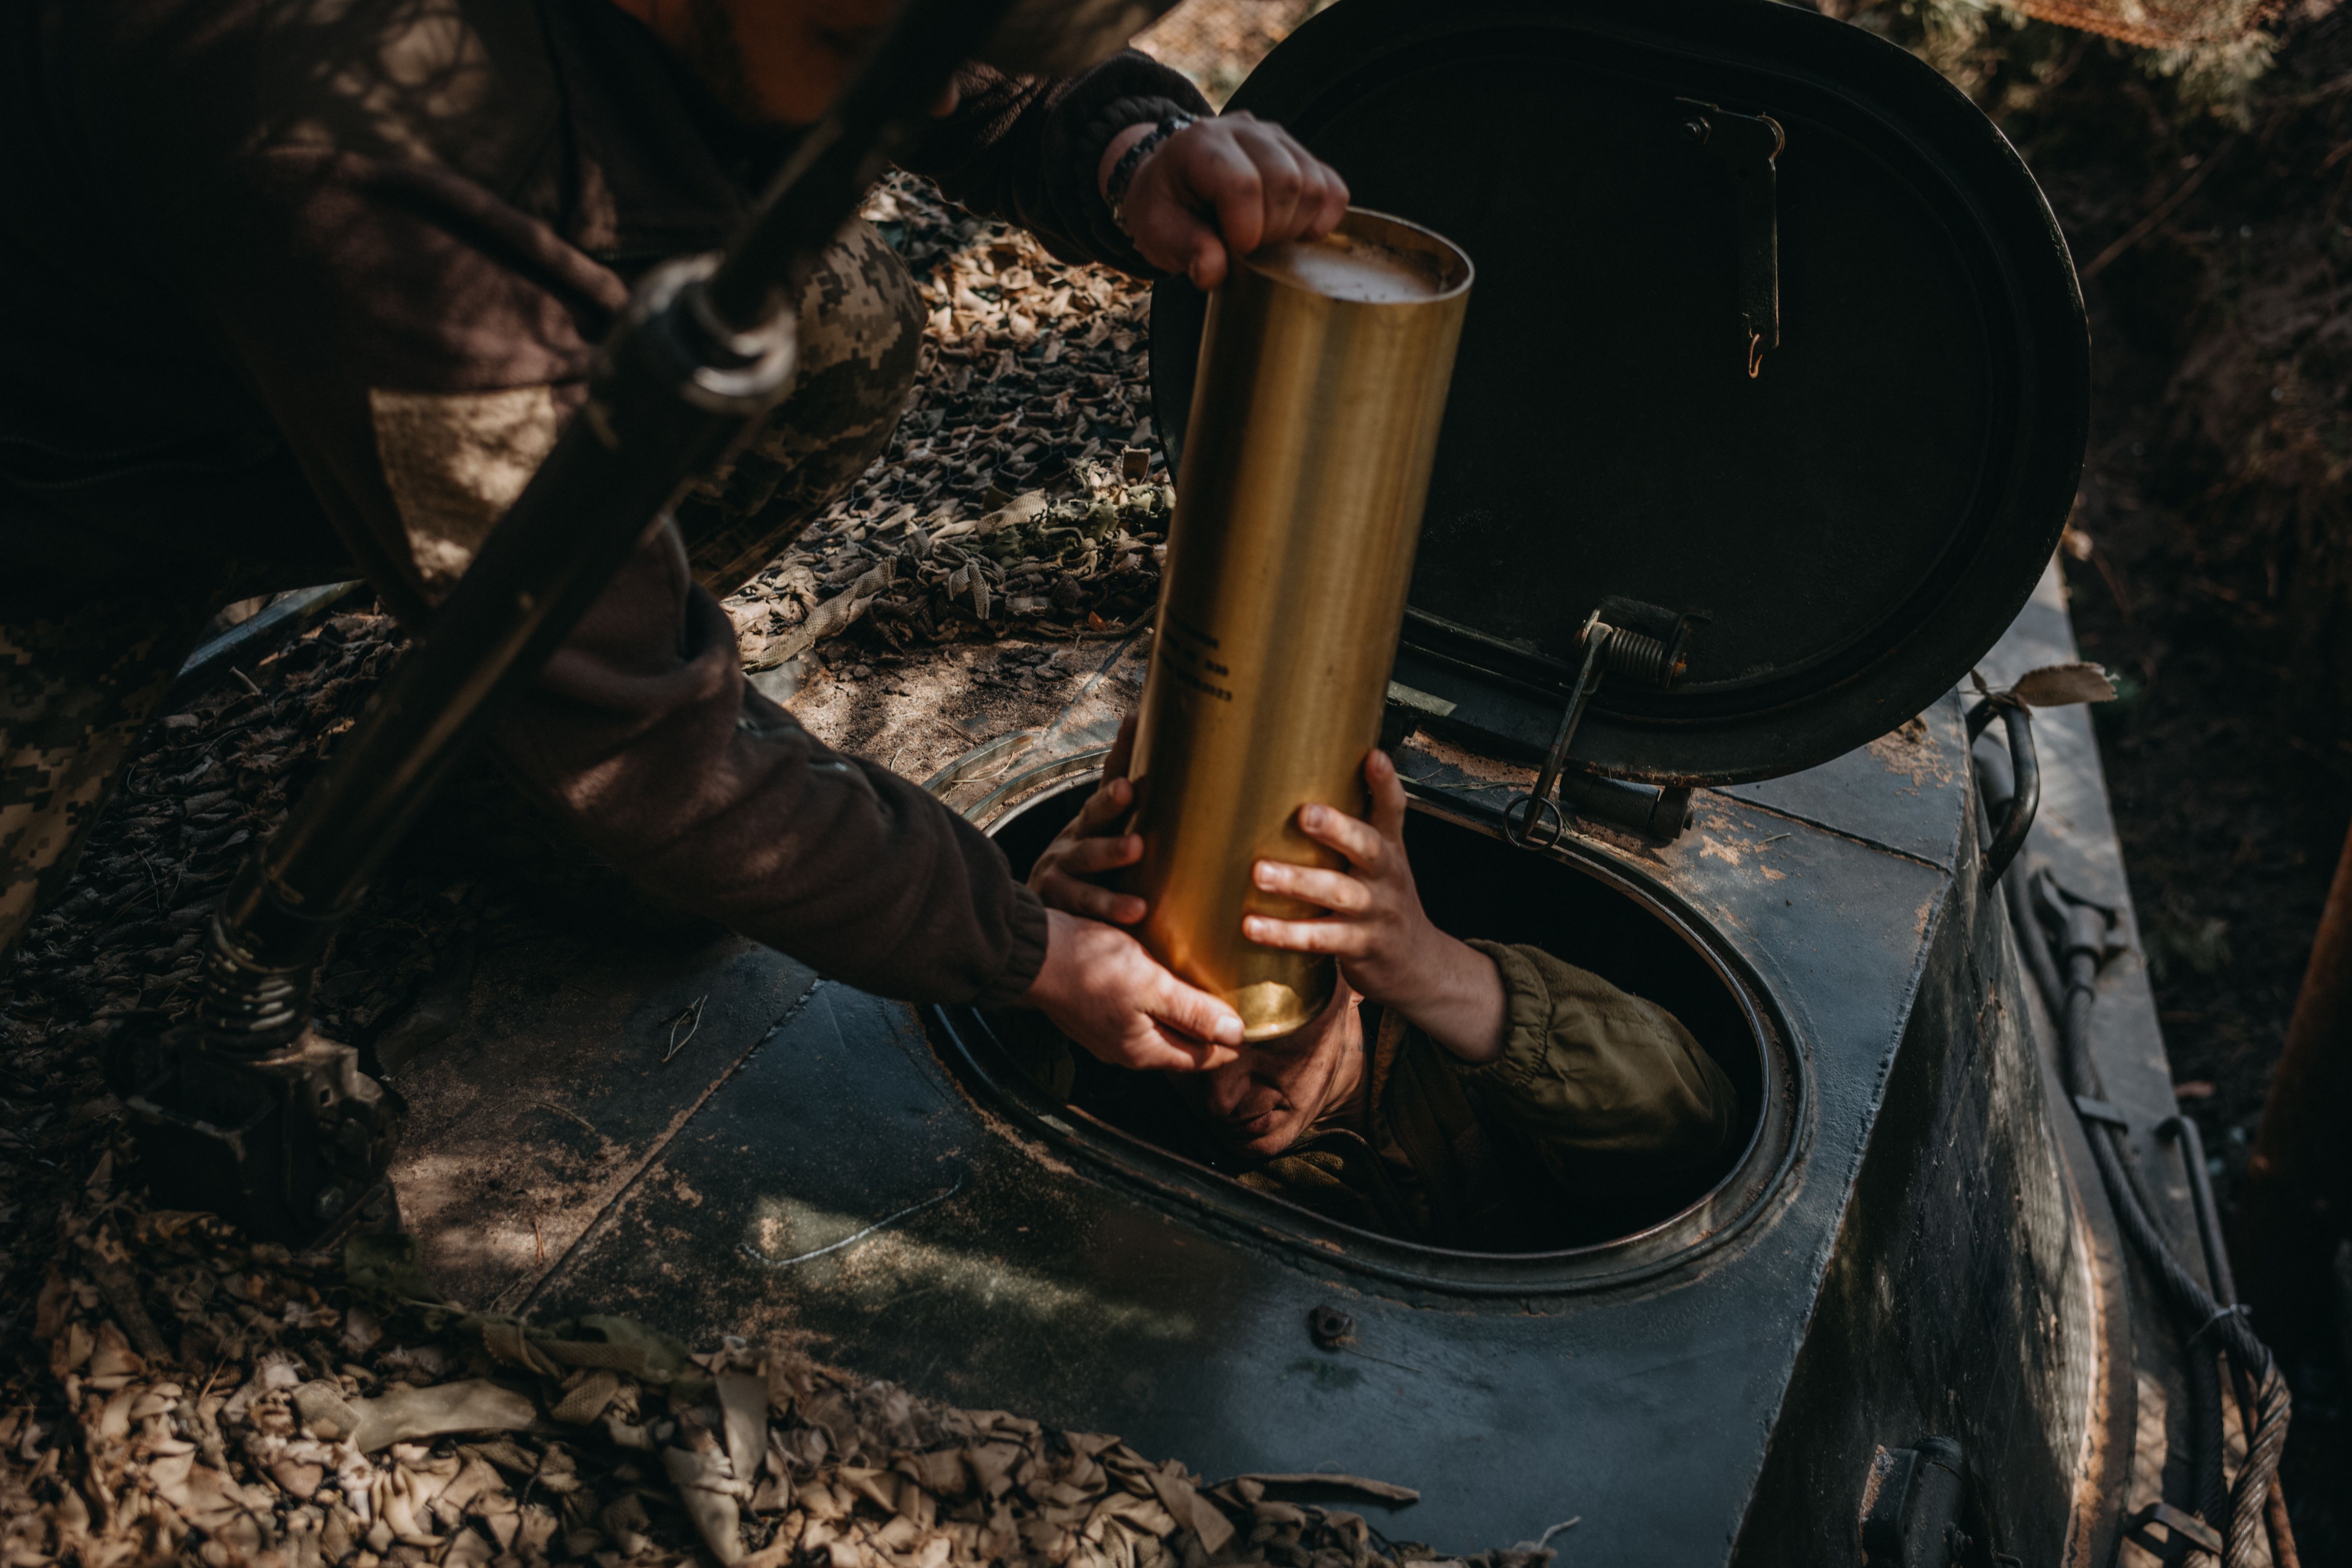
(1586, 1066)
(1456, 997)
(640, 734)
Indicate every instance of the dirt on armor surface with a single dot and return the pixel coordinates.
(189, 1397)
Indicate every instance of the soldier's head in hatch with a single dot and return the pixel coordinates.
(1262, 1098)
(1269, 1098)
(1485, 1061)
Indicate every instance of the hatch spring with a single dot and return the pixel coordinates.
(1537, 819)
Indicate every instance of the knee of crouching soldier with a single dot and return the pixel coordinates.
(861, 334)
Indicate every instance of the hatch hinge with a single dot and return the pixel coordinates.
(1652, 657)
(1747, 145)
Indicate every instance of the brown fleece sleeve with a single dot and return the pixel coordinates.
(1026, 149)
(643, 734)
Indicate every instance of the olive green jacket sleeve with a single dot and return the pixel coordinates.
(1588, 1069)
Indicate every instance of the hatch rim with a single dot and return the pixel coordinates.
(1753, 1184)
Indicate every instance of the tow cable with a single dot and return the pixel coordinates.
(2078, 937)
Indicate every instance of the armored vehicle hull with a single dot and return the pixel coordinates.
(1903, 1300)
(1909, 1245)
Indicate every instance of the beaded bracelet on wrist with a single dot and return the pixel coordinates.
(1123, 173)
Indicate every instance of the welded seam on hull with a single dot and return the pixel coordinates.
(1862, 839)
(653, 1156)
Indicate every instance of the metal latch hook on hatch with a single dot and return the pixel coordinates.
(1652, 661)
(1747, 145)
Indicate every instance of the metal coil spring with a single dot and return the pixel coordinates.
(245, 1009)
(1637, 657)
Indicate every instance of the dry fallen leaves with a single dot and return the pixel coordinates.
(299, 1410)
(2053, 686)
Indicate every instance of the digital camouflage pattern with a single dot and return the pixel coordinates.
(76, 689)
(861, 336)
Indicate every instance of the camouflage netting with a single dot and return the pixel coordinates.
(1021, 489)
(1218, 43)
(230, 1405)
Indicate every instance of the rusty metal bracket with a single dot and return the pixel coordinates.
(1595, 639)
(291, 1147)
(1912, 1516)
(2090, 1108)
(2181, 1526)
(1748, 146)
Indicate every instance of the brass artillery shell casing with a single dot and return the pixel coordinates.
(1323, 376)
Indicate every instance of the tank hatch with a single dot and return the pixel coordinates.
(1776, 360)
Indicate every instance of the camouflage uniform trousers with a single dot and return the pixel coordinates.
(81, 681)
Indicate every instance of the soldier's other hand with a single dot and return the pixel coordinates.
(1091, 845)
(1387, 945)
(1219, 189)
(1104, 991)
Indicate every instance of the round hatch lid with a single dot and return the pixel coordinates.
(1645, 188)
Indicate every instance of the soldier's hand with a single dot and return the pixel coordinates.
(1103, 990)
(1387, 945)
(1091, 845)
(1219, 189)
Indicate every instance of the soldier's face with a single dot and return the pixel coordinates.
(783, 61)
(1264, 1102)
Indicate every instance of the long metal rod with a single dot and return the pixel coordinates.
(2225, 1290)
(820, 188)
(2184, 1130)
(700, 356)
